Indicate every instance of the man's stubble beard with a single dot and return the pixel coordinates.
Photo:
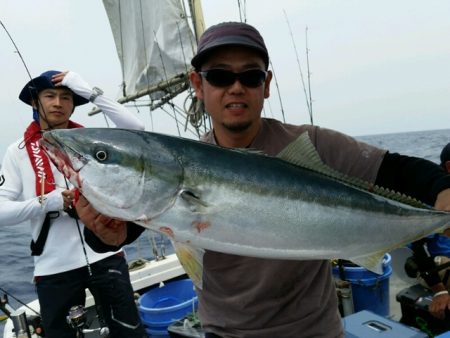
(237, 127)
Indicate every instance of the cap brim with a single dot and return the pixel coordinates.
(40, 83)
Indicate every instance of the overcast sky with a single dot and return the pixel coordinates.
(376, 66)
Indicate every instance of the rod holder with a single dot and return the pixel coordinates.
(20, 323)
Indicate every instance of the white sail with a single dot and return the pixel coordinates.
(154, 44)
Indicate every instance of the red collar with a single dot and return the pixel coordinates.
(38, 158)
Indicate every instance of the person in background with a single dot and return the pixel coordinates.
(431, 259)
(252, 297)
(34, 191)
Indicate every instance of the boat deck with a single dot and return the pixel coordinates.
(397, 282)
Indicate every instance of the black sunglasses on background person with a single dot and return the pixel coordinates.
(251, 78)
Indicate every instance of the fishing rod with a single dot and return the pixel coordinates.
(308, 103)
(242, 11)
(17, 49)
(36, 97)
(309, 76)
(18, 300)
(278, 91)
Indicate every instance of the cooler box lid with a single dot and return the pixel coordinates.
(366, 324)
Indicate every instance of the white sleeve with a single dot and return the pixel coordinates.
(13, 211)
(117, 112)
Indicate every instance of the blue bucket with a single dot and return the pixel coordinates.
(370, 291)
(160, 307)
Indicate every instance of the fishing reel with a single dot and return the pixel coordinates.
(77, 320)
(77, 317)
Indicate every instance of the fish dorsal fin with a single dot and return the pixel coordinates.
(302, 152)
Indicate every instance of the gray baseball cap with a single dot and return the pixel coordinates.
(226, 34)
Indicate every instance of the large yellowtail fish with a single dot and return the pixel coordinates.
(236, 201)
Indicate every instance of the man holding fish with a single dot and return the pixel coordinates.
(252, 296)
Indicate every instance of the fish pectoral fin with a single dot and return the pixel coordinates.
(191, 259)
(193, 200)
(372, 262)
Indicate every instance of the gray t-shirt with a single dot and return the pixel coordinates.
(257, 298)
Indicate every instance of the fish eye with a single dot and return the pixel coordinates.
(101, 155)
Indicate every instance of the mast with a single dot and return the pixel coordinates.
(198, 20)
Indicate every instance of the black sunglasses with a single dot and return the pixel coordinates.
(251, 78)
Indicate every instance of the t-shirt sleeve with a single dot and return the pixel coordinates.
(346, 154)
(413, 176)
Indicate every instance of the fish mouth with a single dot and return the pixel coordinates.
(68, 160)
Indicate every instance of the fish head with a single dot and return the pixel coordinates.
(124, 174)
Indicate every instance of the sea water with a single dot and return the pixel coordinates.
(16, 265)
